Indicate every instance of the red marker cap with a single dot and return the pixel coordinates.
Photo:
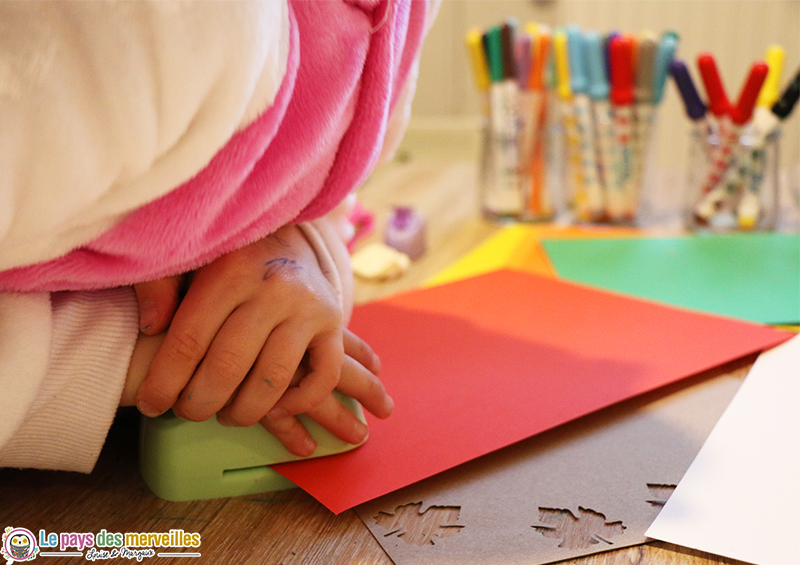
(621, 52)
(743, 110)
(717, 99)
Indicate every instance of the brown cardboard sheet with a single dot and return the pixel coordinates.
(591, 485)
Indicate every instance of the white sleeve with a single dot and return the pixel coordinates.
(63, 362)
(105, 106)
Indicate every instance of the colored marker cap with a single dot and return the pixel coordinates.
(783, 107)
(666, 52)
(595, 66)
(607, 52)
(645, 70)
(477, 57)
(541, 55)
(695, 108)
(522, 58)
(769, 92)
(717, 99)
(621, 50)
(743, 110)
(562, 64)
(578, 80)
(507, 50)
(494, 52)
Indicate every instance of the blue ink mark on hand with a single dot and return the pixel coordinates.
(276, 265)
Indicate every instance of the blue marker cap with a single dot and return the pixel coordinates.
(578, 81)
(695, 108)
(595, 66)
(665, 53)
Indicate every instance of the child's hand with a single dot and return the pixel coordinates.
(243, 329)
(358, 380)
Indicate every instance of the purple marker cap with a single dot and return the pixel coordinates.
(695, 108)
(522, 56)
(607, 52)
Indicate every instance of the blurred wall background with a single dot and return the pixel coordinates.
(737, 32)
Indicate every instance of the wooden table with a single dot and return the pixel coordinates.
(286, 527)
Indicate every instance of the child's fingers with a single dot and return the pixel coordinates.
(270, 377)
(224, 368)
(192, 330)
(337, 419)
(292, 434)
(325, 361)
(158, 301)
(362, 385)
(360, 350)
(275, 369)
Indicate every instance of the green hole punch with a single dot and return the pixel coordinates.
(182, 461)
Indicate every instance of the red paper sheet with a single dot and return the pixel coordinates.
(479, 364)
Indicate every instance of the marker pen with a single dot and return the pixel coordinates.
(765, 120)
(589, 204)
(480, 68)
(664, 55)
(477, 43)
(522, 59)
(765, 123)
(539, 203)
(713, 190)
(503, 197)
(769, 92)
(718, 103)
(695, 108)
(601, 109)
(573, 140)
(622, 192)
(644, 103)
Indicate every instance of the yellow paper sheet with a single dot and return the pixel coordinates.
(518, 247)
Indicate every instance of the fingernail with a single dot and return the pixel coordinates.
(148, 410)
(388, 406)
(277, 414)
(147, 312)
(361, 431)
(309, 447)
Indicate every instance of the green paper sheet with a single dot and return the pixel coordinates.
(754, 276)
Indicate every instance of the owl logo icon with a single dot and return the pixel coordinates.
(19, 544)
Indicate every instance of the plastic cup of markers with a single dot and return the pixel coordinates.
(488, 178)
(517, 173)
(742, 197)
(500, 177)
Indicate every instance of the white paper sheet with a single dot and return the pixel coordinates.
(740, 497)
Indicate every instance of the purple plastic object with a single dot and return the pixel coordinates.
(405, 232)
(691, 99)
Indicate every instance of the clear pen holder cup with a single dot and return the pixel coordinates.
(516, 173)
(733, 186)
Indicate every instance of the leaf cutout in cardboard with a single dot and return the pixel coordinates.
(659, 493)
(587, 529)
(419, 527)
